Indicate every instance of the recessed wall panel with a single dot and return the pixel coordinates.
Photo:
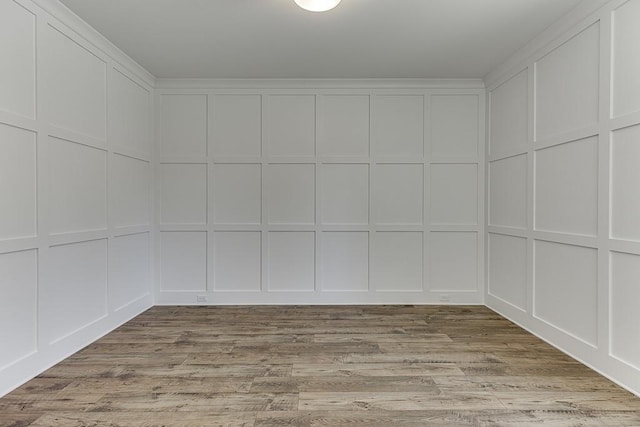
(129, 114)
(509, 115)
(566, 188)
(454, 194)
(454, 126)
(291, 261)
(398, 193)
(345, 194)
(129, 263)
(565, 288)
(184, 193)
(291, 125)
(17, 182)
(345, 261)
(625, 184)
(567, 85)
(453, 261)
(74, 86)
(399, 126)
(508, 269)
(291, 193)
(17, 75)
(626, 62)
(183, 120)
(625, 317)
(130, 192)
(345, 126)
(183, 261)
(508, 192)
(77, 187)
(397, 261)
(237, 125)
(74, 293)
(237, 193)
(18, 305)
(237, 261)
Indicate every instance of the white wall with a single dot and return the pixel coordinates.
(320, 192)
(75, 188)
(563, 245)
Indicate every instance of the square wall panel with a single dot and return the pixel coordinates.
(74, 294)
(183, 261)
(237, 261)
(454, 194)
(291, 125)
(237, 190)
(130, 191)
(74, 85)
(510, 114)
(184, 126)
(18, 215)
(453, 261)
(626, 62)
(237, 125)
(399, 126)
(508, 269)
(625, 184)
(345, 261)
(625, 316)
(77, 187)
(184, 194)
(291, 193)
(567, 85)
(454, 126)
(345, 194)
(129, 110)
(291, 261)
(344, 126)
(397, 261)
(129, 264)
(565, 288)
(566, 199)
(17, 75)
(508, 192)
(398, 193)
(18, 305)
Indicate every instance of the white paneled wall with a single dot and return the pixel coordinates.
(306, 194)
(75, 188)
(563, 246)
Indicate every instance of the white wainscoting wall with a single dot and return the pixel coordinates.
(320, 192)
(75, 187)
(563, 244)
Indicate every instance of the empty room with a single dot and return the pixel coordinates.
(319, 213)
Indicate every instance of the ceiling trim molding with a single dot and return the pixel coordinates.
(582, 13)
(319, 83)
(64, 15)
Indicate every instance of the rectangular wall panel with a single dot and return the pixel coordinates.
(77, 187)
(626, 61)
(183, 261)
(129, 114)
(17, 182)
(453, 261)
(345, 194)
(625, 181)
(625, 316)
(291, 189)
(565, 289)
(509, 115)
(183, 120)
(508, 192)
(508, 269)
(455, 125)
(183, 193)
(399, 126)
(18, 75)
(237, 125)
(345, 261)
(130, 186)
(291, 125)
(74, 86)
(129, 264)
(74, 293)
(454, 194)
(291, 261)
(397, 261)
(237, 193)
(344, 126)
(18, 305)
(237, 261)
(398, 192)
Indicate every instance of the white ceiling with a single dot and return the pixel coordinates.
(357, 39)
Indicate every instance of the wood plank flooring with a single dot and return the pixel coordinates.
(319, 366)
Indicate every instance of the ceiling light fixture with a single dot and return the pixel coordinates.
(317, 5)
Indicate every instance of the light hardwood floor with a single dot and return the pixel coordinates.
(319, 366)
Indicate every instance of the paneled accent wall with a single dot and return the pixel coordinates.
(563, 242)
(350, 194)
(75, 189)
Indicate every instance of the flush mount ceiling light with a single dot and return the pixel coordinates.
(317, 5)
